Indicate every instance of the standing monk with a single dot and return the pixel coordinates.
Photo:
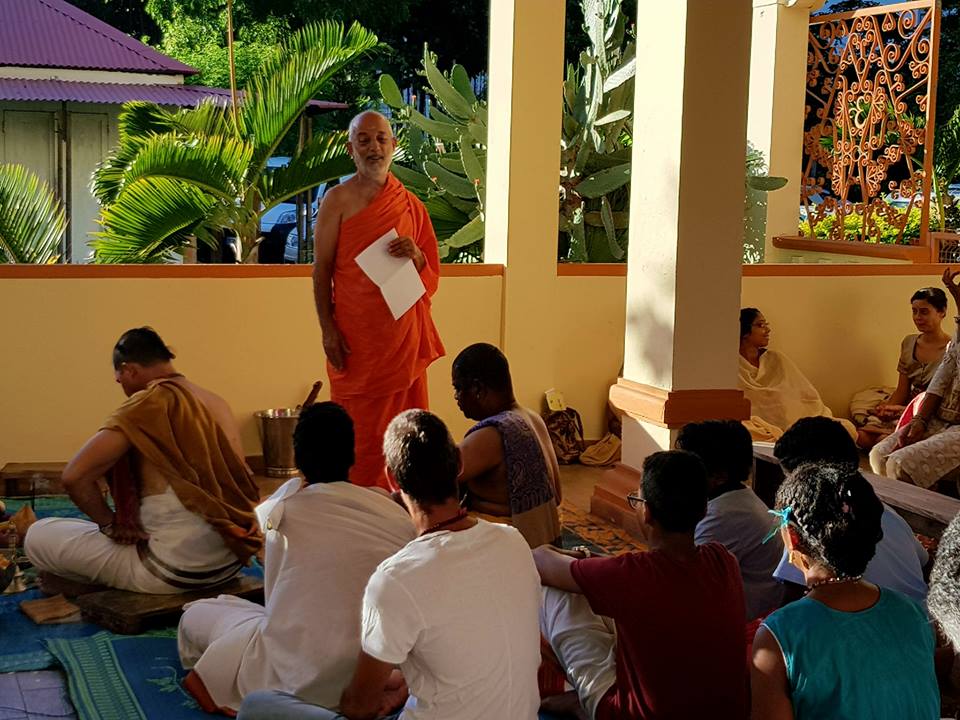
(377, 365)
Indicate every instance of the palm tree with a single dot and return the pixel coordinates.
(177, 175)
(31, 219)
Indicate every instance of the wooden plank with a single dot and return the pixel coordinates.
(22, 479)
(928, 512)
(131, 613)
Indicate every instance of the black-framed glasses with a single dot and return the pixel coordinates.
(633, 500)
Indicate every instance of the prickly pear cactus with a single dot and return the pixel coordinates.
(443, 157)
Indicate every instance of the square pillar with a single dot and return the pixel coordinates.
(686, 229)
(778, 82)
(523, 179)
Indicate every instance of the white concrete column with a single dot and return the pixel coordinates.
(523, 176)
(686, 221)
(778, 71)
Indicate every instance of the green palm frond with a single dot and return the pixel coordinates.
(31, 219)
(137, 122)
(322, 159)
(140, 119)
(278, 93)
(217, 165)
(108, 177)
(209, 117)
(325, 37)
(184, 174)
(151, 220)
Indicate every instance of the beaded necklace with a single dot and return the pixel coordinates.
(461, 514)
(835, 581)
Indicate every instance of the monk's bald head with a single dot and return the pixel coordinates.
(371, 144)
(369, 121)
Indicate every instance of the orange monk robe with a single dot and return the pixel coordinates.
(386, 370)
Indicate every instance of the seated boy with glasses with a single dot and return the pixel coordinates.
(650, 634)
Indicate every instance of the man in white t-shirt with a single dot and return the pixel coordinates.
(323, 541)
(456, 610)
(900, 558)
(736, 518)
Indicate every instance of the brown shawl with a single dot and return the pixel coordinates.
(176, 433)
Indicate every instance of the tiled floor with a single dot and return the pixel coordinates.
(35, 695)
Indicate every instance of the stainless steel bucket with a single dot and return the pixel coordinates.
(276, 436)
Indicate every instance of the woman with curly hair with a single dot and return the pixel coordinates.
(849, 649)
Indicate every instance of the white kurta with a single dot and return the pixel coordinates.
(322, 544)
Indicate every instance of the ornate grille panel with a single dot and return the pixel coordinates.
(868, 124)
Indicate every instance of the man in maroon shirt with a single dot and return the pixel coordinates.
(678, 649)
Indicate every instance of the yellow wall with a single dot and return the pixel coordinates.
(253, 340)
(843, 332)
(588, 349)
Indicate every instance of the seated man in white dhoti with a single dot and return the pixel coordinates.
(928, 447)
(183, 496)
(324, 539)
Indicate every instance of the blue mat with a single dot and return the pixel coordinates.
(117, 677)
(22, 642)
(114, 677)
(46, 506)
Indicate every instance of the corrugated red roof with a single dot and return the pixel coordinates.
(118, 93)
(53, 33)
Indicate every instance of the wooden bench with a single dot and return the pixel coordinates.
(130, 613)
(926, 511)
(29, 479)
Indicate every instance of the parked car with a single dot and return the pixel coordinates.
(291, 247)
(285, 212)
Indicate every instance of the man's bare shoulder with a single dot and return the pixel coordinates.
(343, 193)
(214, 402)
(335, 197)
(535, 420)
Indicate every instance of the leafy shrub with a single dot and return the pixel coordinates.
(882, 231)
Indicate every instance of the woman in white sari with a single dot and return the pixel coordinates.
(779, 393)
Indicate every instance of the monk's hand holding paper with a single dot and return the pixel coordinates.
(406, 247)
(335, 347)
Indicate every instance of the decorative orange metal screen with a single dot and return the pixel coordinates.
(868, 125)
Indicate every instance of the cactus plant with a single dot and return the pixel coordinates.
(595, 144)
(442, 158)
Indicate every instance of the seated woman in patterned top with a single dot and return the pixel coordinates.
(927, 448)
(920, 355)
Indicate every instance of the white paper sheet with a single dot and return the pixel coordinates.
(397, 278)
